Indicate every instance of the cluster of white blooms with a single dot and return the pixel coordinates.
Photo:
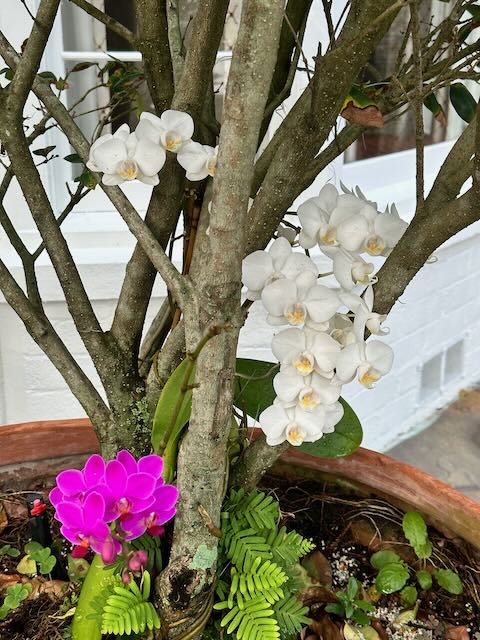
(325, 346)
(140, 154)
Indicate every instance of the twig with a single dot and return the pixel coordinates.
(418, 107)
(111, 24)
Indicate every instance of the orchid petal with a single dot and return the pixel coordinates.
(311, 217)
(70, 515)
(180, 121)
(287, 344)
(352, 232)
(140, 485)
(287, 385)
(149, 157)
(116, 478)
(70, 482)
(321, 303)
(107, 155)
(152, 465)
(278, 295)
(379, 355)
(348, 362)
(128, 461)
(256, 269)
(94, 470)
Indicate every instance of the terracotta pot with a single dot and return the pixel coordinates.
(31, 454)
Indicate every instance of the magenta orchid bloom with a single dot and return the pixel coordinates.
(109, 502)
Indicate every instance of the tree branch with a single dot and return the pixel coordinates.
(153, 43)
(29, 62)
(218, 282)
(41, 330)
(111, 24)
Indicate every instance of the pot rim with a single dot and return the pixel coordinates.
(449, 510)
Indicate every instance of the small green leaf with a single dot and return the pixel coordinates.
(61, 84)
(87, 179)
(48, 75)
(27, 566)
(408, 596)
(47, 565)
(435, 107)
(381, 558)
(73, 157)
(8, 550)
(44, 152)
(361, 617)
(81, 66)
(450, 581)
(415, 529)
(337, 608)
(352, 588)
(424, 579)
(77, 568)
(391, 578)
(463, 102)
(424, 551)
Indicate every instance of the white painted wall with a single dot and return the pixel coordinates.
(440, 309)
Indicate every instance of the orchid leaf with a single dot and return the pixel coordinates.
(462, 101)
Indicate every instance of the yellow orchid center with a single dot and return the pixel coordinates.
(308, 399)
(212, 166)
(374, 245)
(369, 377)
(172, 141)
(327, 235)
(296, 313)
(304, 364)
(295, 435)
(128, 170)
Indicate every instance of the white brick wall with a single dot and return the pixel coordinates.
(440, 307)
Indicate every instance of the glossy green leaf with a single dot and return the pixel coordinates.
(346, 438)
(73, 157)
(381, 558)
(424, 579)
(48, 75)
(424, 551)
(450, 581)
(254, 392)
(392, 577)
(463, 102)
(81, 66)
(435, 107)
(168, 409)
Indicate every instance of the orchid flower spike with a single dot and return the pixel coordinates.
(122, 157)
(171, 130)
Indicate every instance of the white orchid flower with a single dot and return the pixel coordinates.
(341, 329)
(365, 317)
(172, 129)
(350, 269)
(263, 267)
(386, 231)
(306, 351)
(123, 157)
(369, 361)
(198, 160)
(300, 301)
(305, 392)
(336, 222)
(292, 424)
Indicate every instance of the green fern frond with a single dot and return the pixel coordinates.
(288, 547)
(291, 616)
(152, 545)
(262, 580)
(255, 509)
(128, 610)
(242, 546)
(254, 621)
